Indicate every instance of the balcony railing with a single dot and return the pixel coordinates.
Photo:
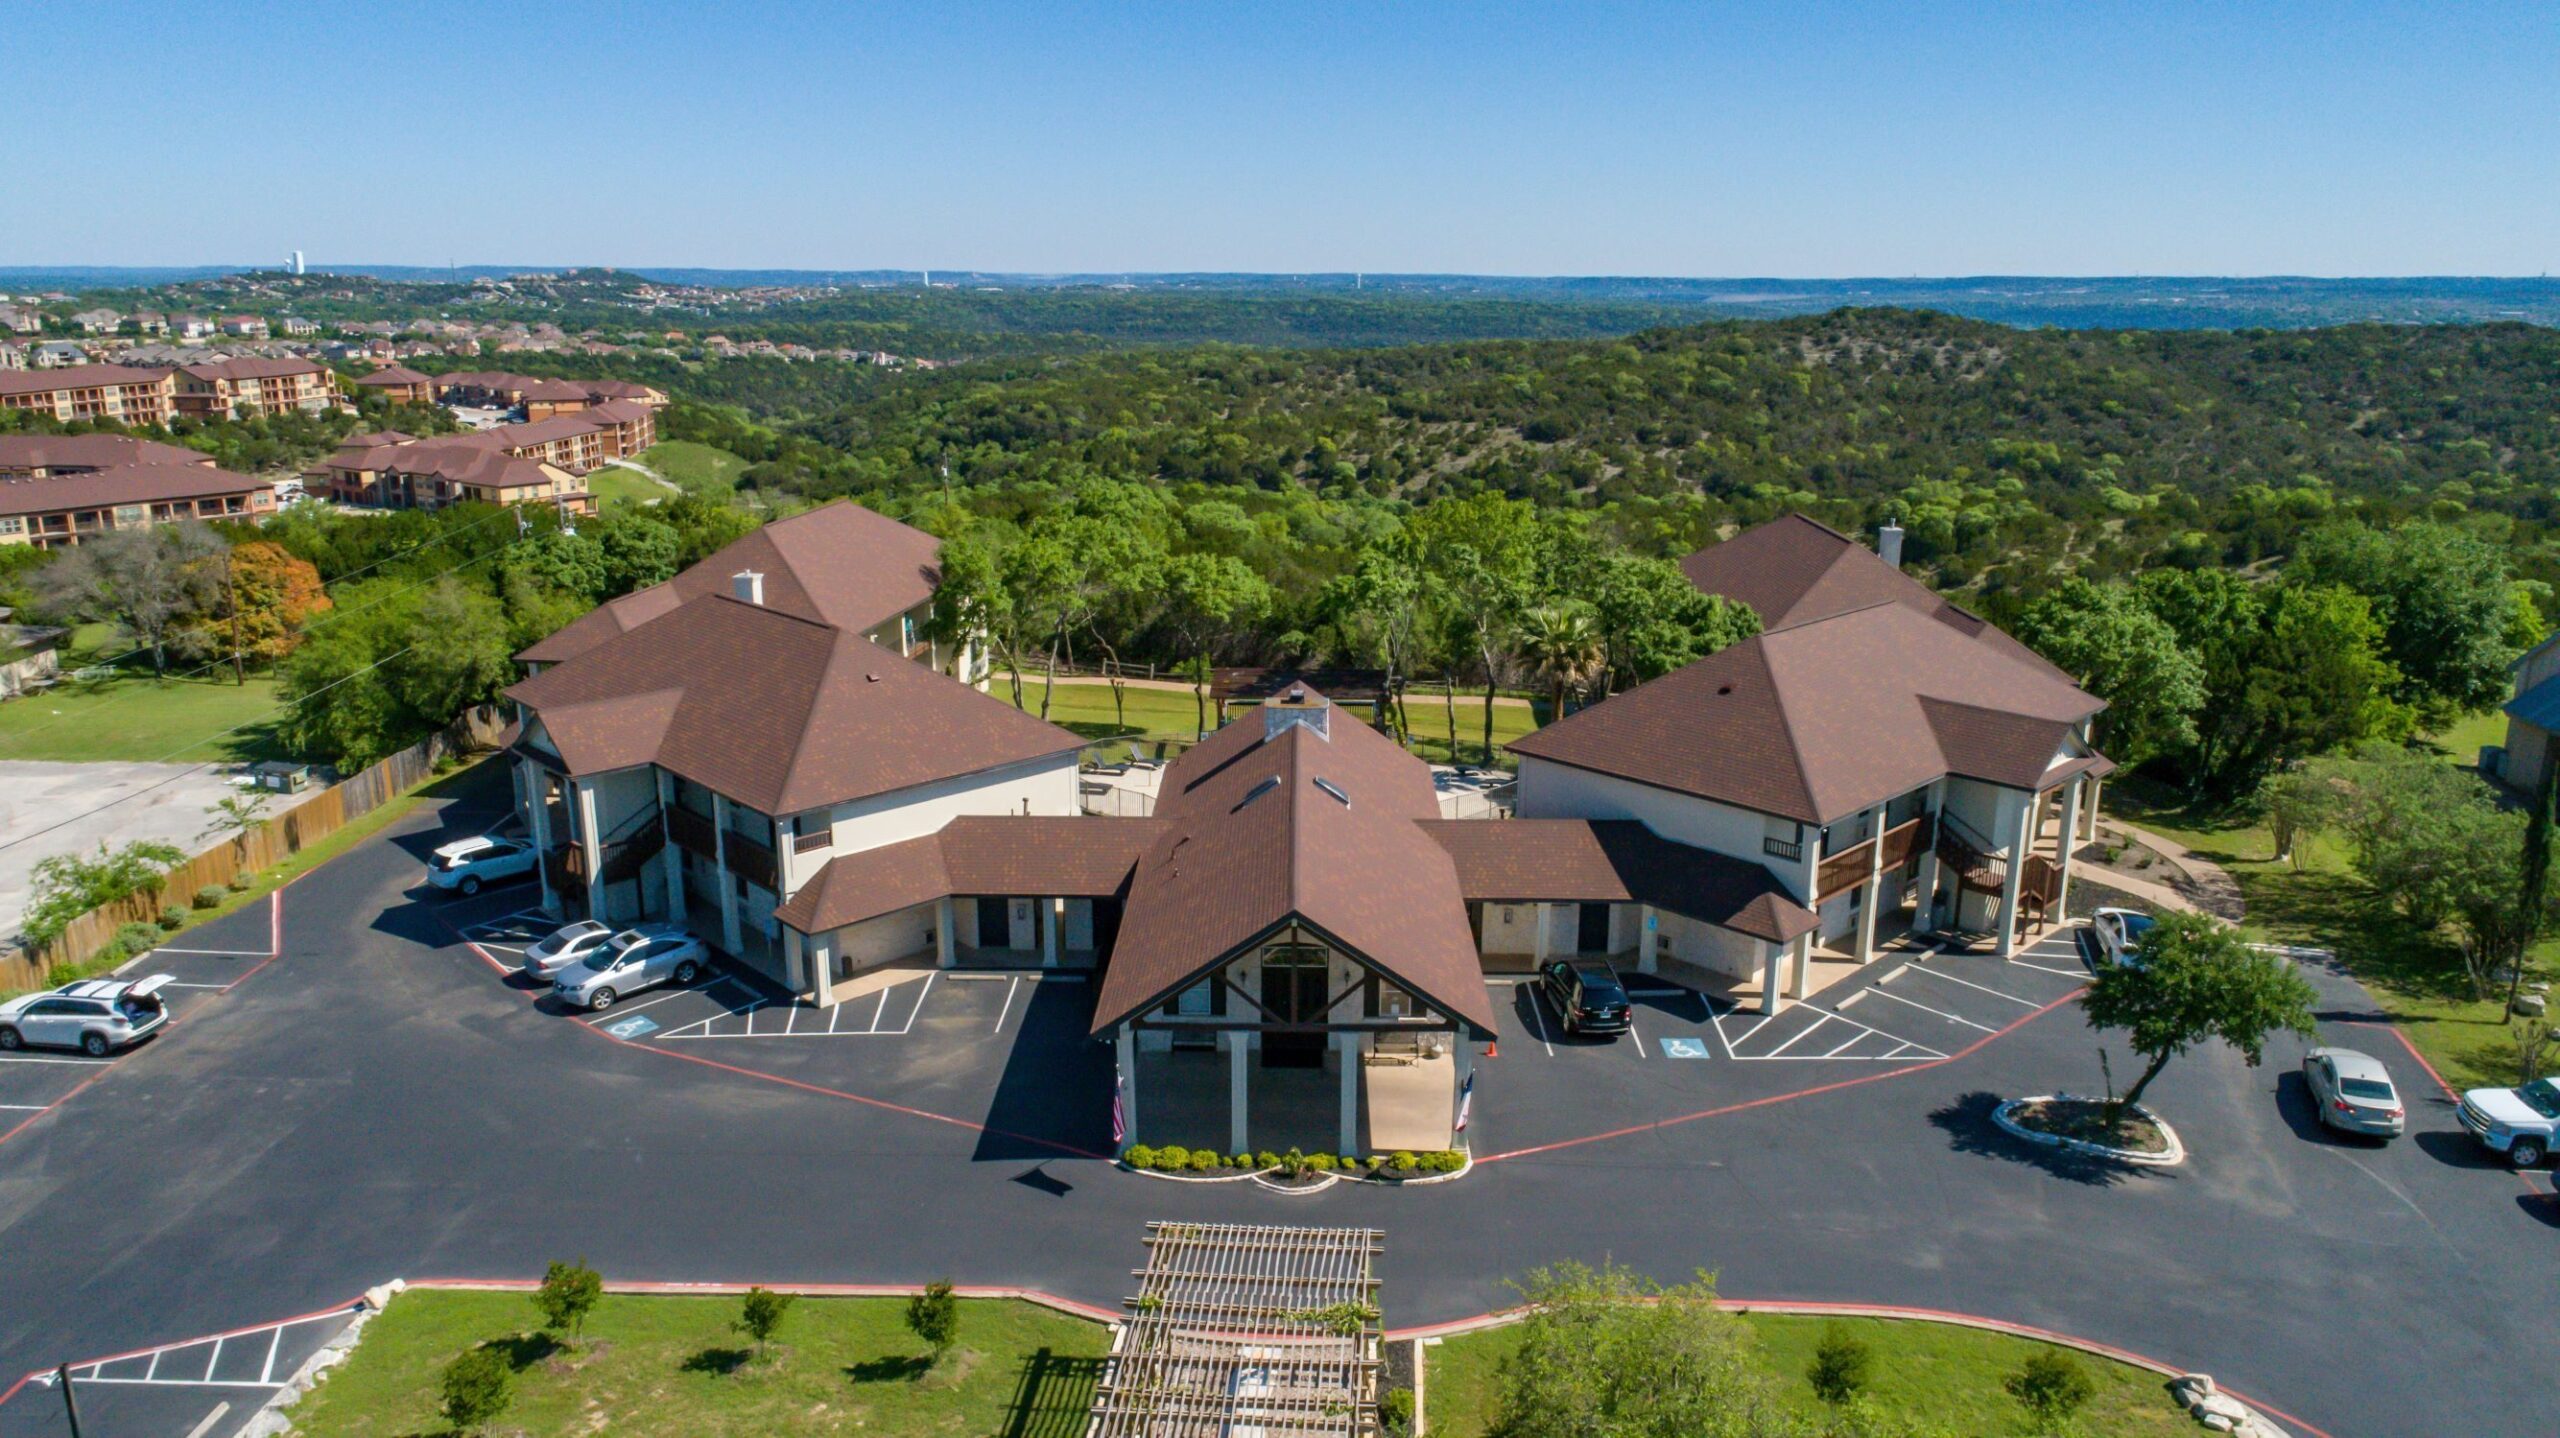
(1786, 849)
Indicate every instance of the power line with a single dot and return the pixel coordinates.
(200, 743)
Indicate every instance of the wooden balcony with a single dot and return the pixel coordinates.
(692, 832)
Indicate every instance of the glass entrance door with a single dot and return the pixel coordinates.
(1293, 991)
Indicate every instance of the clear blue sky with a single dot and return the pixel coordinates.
(1790, 140)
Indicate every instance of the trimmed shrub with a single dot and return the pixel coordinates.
(137, 938)
(1322, 1162)
(1266, 1159)
(173, 918)
(1173, 1157)
(1839, 1369)
(1351, 1163)
(474, 1388)
(1204, 1160)
(1395, 1410)
(208, 896)
(237, 883)
(1138, 1155)
(2051, 1386)
(1405, 1162)
(1241, 1160)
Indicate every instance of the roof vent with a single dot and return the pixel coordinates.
(748, 585)
(1889, 544)
(1335, 790)
(1724, 689)
(1258, 790)
(870, 678)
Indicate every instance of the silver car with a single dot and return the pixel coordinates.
(632, 960)
(565, 948)
(95, 1016)
(2353, 1093)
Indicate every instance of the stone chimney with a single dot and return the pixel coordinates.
(748, 585)
(1889, 544)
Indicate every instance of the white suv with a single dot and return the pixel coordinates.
(95, 1016)
(2518, 1122)
(465, 865)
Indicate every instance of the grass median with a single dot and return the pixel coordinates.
(677, 1366)
(1149, 714)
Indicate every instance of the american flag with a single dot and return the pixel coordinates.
(1466, 1101)
(1120, 1119)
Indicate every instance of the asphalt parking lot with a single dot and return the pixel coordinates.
(379, 1102)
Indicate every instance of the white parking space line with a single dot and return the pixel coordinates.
(1800, 1037)
(219, 1411)
(1924, 1008)
(214, 953)
(2049, 969)
(1010, 990)
(180, 1357)
(174, 984)
(1916, 968)
(32, 1059)
(618, 1010)
(24, 1107)
(880, 1011)
(1631, 1033)
(1538, 1021)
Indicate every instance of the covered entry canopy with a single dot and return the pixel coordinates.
(1302, 820)
(1616, 861)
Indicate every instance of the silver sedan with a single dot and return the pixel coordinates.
(2353, 1093)
(564, 949)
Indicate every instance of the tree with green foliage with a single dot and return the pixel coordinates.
(68, 885)
(1838, 1372)
(2114, 646)
(2298, 802)
(934, 1316)
(2052, 1387)
(151, 581)
(568, 1292)
(1652, 620)
(2444, 597)
(1206, 597)
(1384, 605)
(475, 1389)
(761, 1313)
(2195, 980)
(2431, 841)
(2533, 898)
(638, 549)
(1487, 554)
(1607, 1351)
(235, 817)
(1562, 647)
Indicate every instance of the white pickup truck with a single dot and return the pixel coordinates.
(2519, 1122)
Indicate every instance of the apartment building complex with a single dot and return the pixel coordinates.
(93, 391)
(58, 490)
(236, 388)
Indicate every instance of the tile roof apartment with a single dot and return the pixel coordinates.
(538, 461)
(58, 490)
(1293, 947)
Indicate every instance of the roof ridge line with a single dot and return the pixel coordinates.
(1786, 723)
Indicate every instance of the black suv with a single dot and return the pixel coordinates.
(1587, 993)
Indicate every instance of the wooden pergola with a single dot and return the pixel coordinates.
(1247, 1328)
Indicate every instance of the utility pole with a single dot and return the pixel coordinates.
(70, 1404)
(231, 586)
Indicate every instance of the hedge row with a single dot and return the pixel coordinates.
(1176, 1159)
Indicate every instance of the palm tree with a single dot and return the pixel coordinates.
(1563, 648)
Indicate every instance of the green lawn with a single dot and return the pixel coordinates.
(1936, 1374)
(674, 1366)
(614, 486)
(1168, 714)
(2416, 977)
(700, 468)
(134, 716)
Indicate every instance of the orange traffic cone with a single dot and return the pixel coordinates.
(1493, 1050)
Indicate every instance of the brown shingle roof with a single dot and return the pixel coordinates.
(91, 451)
(251, 367)
(779, 713)
(1616, 861)
(392, 375)
(1241, 857)
(129, 484)
(1794, 570)
(974, 854)
(78, 376)
(1818, 720)
(840, 564)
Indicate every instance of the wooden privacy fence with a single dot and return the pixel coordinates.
(278, 838)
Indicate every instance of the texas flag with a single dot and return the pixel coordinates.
(1466, 1101)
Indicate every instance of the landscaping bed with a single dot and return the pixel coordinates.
(1293, 1167)
(2085, 1124)
(676, 1366)
(1942, 1376)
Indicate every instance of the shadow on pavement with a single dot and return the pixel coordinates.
(1053, 1099)
(1969, 1129)
(2458, 1149)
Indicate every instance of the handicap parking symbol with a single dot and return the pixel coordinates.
(632, 1027)
(1684, 1048)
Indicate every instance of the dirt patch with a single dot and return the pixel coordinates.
(2085, 1120)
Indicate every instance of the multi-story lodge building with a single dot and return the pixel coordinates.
(550, 457)
(234, 388)
(57, 490)
(540, 398)
(399, 384)
(93, 391)
(762, 748)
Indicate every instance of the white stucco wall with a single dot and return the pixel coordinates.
(856, 947)
(1709, 947)
(1556, 791)
(1045, 786)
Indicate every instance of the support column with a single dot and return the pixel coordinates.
(728, 881)
(1646, 961)
(1925, 915)
(1538, 934)
(946, 947)
(1803, 960)
(794, 961)
(1238, 1100)
(1048, 933)
(822, 970)
(2062, 860)
(1802, 969)
(1769, 958)
(2021, 842)
(538, 824)
(1350, 1093)
(1125, 1049)
(583, 793)
(2096, 787)
(1875, 886)
(674, 855)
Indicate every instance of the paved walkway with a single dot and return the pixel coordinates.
(2207, 887)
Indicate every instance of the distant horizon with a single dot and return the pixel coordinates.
(400, 269)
